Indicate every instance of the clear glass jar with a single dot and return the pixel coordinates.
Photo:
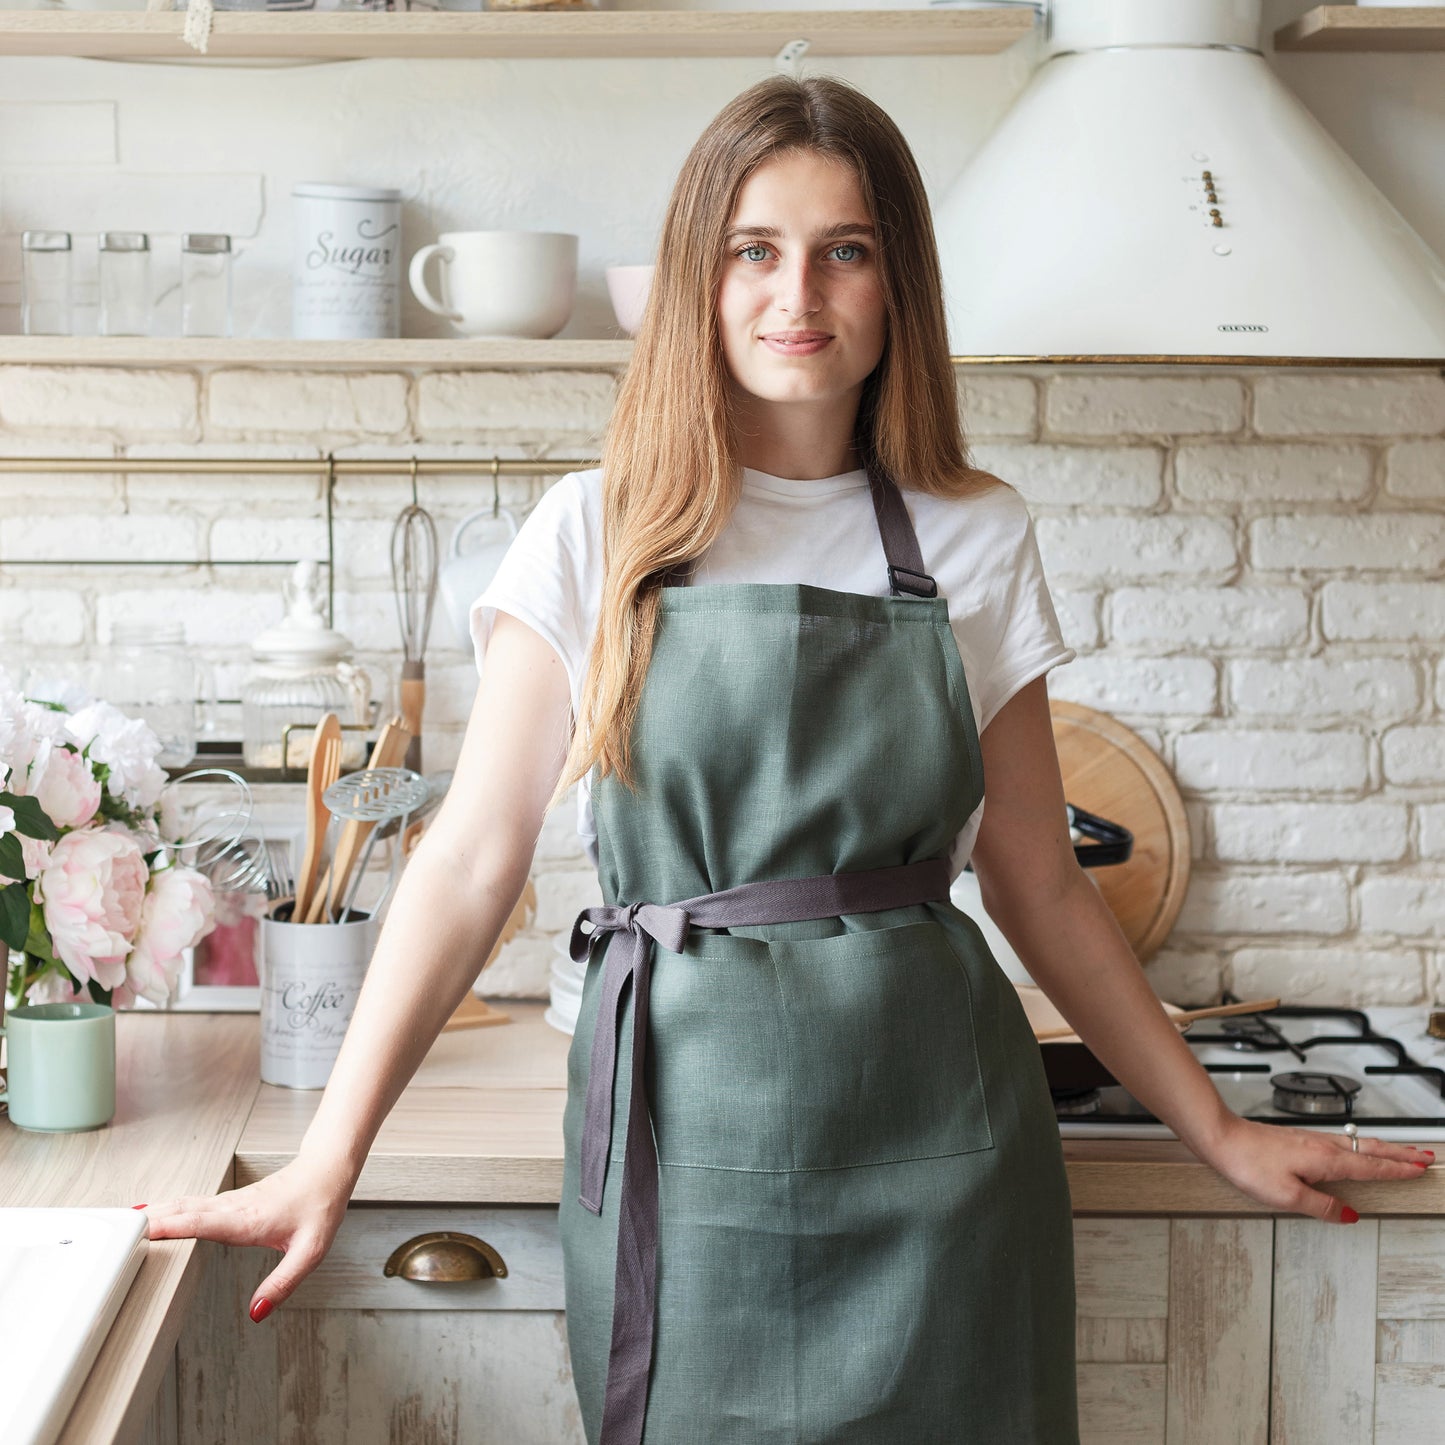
(205, 284)
(125, 283)
(149, 674)
(45, 283)
(296, 689)
(303, 670)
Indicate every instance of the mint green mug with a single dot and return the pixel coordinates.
(60, 1066)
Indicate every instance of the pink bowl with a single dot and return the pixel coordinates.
(628, 287)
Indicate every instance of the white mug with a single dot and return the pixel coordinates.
(466, 574)
(501, 283)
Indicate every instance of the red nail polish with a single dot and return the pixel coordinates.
(137, 1206)
(261, 1309)
(1348, 1215)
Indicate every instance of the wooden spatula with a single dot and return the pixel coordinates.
(323, 770)
(1180, 1016)
(390, 749)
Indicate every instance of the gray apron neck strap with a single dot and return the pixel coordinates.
(895, 530)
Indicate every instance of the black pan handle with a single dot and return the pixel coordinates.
(1113, 843)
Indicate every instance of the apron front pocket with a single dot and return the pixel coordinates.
(816, 1053)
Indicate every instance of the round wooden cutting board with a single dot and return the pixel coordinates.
(1110, 770)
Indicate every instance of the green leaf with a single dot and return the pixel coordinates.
(14, 915)
(37, 940)
(30, 818)
(12, 857)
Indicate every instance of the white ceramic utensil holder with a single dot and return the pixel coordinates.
(311, 975)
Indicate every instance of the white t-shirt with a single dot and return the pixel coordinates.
(980, 550)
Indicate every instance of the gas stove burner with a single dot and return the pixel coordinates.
(1072, 1103)
(1303, 1092)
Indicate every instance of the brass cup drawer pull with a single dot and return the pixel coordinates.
(445, 1257)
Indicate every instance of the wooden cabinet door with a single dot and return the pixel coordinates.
(1173, 1330)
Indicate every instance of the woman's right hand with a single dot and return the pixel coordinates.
(297, 1210)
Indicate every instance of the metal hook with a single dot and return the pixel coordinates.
(414, 501)
(496, 486)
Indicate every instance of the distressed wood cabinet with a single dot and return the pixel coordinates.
(1191, 1331)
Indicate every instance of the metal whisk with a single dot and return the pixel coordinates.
(414, 582)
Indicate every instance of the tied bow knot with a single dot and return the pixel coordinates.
(638, 925)
(667, 924)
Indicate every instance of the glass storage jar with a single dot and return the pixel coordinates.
(303, 669)
(205, 284)
(125, 283)
(45, 283)
(148, 673)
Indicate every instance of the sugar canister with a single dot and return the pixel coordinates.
(346, 269)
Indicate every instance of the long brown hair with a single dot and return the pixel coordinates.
(669, 454)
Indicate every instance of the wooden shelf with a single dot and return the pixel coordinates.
(582, 354)
(420, 352)
(1365, 27)
(153, 34)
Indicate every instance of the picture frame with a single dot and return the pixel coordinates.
(220, 973)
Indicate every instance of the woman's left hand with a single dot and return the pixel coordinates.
(1276, 1164)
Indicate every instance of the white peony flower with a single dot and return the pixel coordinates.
(127, 746)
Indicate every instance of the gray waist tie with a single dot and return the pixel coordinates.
(781, 900)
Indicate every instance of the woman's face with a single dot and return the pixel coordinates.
(800, 260)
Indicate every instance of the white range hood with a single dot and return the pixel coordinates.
(1157, 194)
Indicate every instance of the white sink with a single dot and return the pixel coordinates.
(64, 1274)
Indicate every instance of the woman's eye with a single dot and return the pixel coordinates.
(850, 246)
(743, 252)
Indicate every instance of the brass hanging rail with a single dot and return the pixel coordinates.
(328, 466)
(358, 466)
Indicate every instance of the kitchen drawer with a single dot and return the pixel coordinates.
(525, 1237)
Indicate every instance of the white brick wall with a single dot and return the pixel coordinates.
(1250, 564)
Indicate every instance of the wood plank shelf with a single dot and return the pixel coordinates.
(284, 352)
(581, 353)
(1365, 27)
(155, 34)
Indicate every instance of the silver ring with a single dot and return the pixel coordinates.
(1352, 1131)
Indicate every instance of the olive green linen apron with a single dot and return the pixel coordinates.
(837, 1211)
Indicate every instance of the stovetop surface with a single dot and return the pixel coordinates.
(1400, 1071)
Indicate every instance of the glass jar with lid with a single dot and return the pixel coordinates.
(45, 283)
(303, 669)
(125, 283)
(148, 673)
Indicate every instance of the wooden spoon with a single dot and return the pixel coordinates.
(321, 772)
(390, 749)
(1178, 1016)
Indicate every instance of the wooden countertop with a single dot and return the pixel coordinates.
(184, 1086)
(481, 1122)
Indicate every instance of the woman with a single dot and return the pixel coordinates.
(838, 1210)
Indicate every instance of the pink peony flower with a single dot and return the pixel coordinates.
(92, 890)
(179, 910)
(68, 790)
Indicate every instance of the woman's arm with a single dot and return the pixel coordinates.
(457, 892)
(1058, 923)
(451, 903)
